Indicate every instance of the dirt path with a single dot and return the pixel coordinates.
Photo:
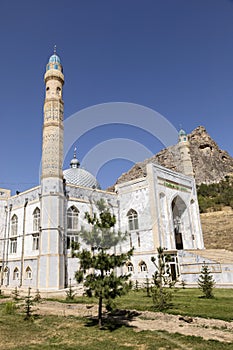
(205, 328)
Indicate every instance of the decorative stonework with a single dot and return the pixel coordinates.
(52, 148)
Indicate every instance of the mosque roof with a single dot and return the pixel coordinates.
(78, 176)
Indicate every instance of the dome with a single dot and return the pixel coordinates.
(80, 177)
(54, 59)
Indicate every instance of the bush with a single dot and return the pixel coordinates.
(9, 308)
(161, 298)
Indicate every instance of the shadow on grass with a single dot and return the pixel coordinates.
(114, 320)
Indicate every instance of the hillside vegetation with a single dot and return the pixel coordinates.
(216, 208)
(215, 196)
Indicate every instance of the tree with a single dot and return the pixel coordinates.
(28, 305)
(206, 281)
(15, 294)
(98, 263)
(162, 280)
(37, 297)
(70, 293)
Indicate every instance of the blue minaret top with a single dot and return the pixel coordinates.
(54, 61)
(182, 136)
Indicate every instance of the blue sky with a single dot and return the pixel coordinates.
(173, 56)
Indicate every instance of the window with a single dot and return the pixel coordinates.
(16, 274)
(6, 273)
(72, 218)
(129, 267)
(36, 220)
(35, 241)
(132, 219)
(28, 273)
(14, 225)
(142, 266)
(13, 245)
(70, 239)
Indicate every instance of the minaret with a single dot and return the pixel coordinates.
(52, 152)
(185, 166)
(51, 258)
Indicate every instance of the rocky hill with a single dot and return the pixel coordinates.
(210, 163)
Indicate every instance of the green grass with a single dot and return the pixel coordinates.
(188, 301)
(70, 333)
(185, 302)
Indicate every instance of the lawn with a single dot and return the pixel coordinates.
(188, 301)
(185, 302)
(72, 333)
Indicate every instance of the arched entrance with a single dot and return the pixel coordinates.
(179, 211)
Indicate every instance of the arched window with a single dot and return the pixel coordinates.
(28, 273)
(142, 266)
(129, 266)
(36, 220)
(14, 225)
(132, 219)
(16, 273)
(72, 218)
(6, 273)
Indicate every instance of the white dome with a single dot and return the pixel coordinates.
(78, 176)
(81, 177)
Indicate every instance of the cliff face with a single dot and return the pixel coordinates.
(210, 163)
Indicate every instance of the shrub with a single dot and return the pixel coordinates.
(9, 308)
(206, 282)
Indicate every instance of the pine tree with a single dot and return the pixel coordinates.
(147, 285)
(206, 281)
(162, 280)
(15, 294)
(37, 297)
(70, 293)
(136, 287)
(28, 305)
(98, 263)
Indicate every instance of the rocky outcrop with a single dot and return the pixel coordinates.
(210, 163)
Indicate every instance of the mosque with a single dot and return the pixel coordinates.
(38, 226)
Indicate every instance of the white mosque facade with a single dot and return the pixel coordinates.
(37, 226)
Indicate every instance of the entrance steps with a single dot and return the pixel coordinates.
(221, 256)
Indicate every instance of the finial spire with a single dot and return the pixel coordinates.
(74, 162)
(75, 149)
(55, 49)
